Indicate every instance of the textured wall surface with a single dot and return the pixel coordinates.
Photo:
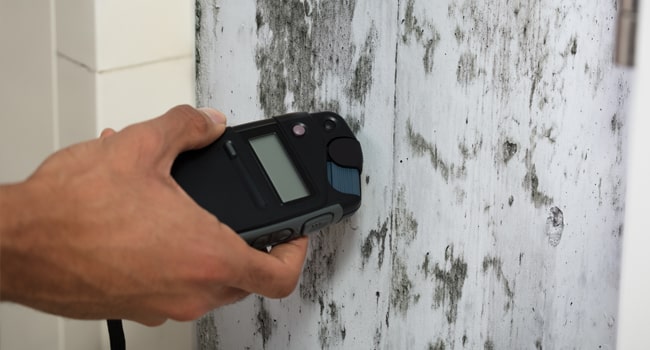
(493, 183)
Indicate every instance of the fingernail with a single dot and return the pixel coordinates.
(215, 115)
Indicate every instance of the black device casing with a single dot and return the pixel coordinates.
(227, 179)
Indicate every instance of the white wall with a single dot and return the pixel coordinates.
(491, 129)
(68, 69)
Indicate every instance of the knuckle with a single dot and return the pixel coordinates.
(195, 120)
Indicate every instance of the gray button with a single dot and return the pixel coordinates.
(317, 223)
(230, 149)
(281, 235)
(262, 241)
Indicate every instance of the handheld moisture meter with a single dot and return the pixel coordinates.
(277, 179)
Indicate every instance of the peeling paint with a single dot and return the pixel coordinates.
(555, 226)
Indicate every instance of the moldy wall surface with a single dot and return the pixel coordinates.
(493, 182)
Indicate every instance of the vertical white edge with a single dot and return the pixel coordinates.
(634, 302)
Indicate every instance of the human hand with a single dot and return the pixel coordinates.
(101, 230)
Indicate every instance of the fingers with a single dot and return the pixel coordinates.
(184, 128)
(276, 274)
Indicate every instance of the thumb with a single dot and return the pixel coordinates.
(184, 128)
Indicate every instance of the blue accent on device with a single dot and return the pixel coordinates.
(345, 180)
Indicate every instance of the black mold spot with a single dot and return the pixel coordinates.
(401, 285)
(198, 13)
(511, 200)
(449, 284)
(574, 46)
(538, 344)
(488, 345)
(208, 337)
(362, 78)
(495, 264)
(466, 72)
(264, 322)
(320, 266)
(509, 150)
(459, 35)
(425, 266)
(531, 182)
(422, 147)
(367, 179)
(464, 339)
(439, 345)
(405, 223)
(332, 332)
(555, 226)
(425, 34)
(302, 40)
(375, 238)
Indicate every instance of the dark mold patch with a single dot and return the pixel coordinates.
(425, 34)
(304, 36)
(362, 78)
(320, 266)
(406, 225)
(511, 200)
(488, 345)
(531, 183)
(538, 344)
(439, 345)
(401, 285)
(264, 322)
(509, 150)
(496, 265)
(376, 238)
(466, 72)
(206, 332)
(449, 284)
(332, 332)
(555, 226)
(422, 147)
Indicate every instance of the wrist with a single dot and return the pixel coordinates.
(17, 215)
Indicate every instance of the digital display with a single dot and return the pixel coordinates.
(279, 168)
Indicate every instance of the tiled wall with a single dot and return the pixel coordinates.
(68, 69)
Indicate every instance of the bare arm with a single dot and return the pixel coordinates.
(101, 230)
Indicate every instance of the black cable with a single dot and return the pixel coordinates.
(116, 335)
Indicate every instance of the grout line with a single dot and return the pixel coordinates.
(130, 66)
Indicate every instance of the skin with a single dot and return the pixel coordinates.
(102, 231)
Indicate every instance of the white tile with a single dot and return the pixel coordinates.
(83, 334)
(27, 87)
(77, 103)
(132, 32)
(131, 95)
(75, 30)
(27, 329)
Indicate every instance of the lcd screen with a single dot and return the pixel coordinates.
(279, 168)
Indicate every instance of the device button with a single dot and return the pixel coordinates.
(262, 241)
(317, 223)
(299, 129)
(230, 149)
(329, 124)
(281, 235)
